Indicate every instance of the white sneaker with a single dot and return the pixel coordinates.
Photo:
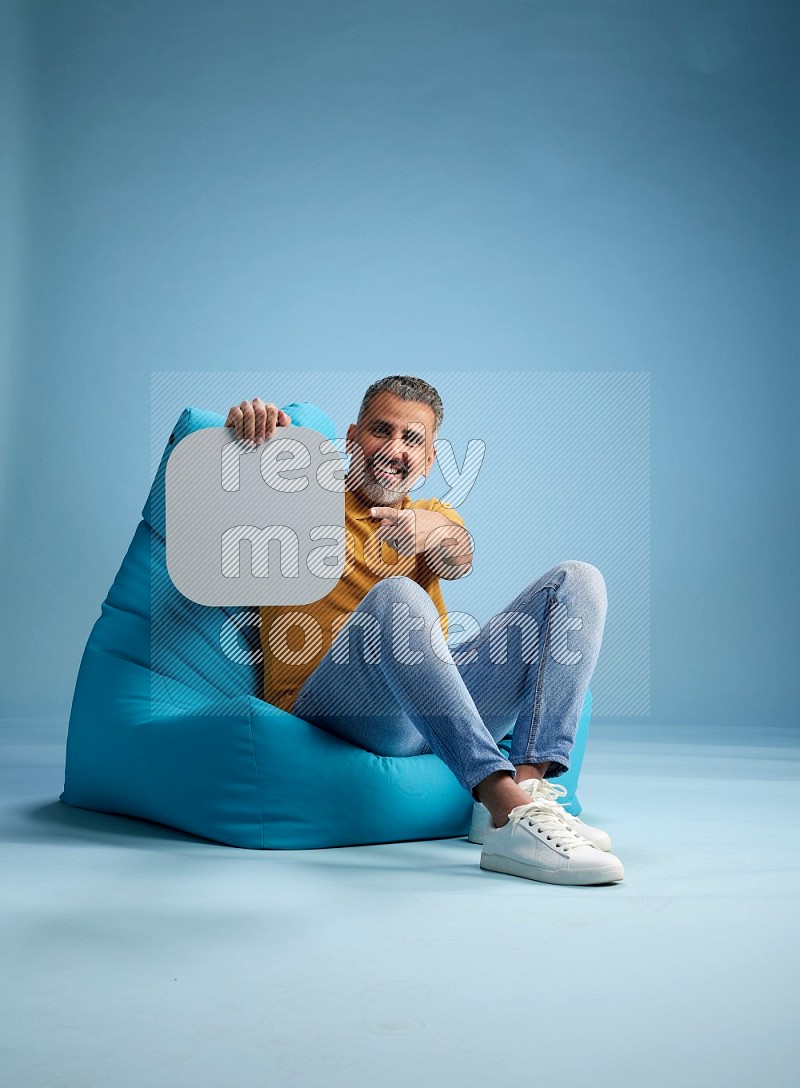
(538, 845)
(553, 790)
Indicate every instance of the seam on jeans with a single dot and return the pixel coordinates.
(444, 741)
(492, 767)
(553, 758)
(557, 768)
(540, 677)
(456, 756)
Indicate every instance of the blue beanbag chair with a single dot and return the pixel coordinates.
(167, 727)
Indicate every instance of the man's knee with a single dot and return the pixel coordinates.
(399, 589)
(400, 606)
(581, 576)
(591, 580)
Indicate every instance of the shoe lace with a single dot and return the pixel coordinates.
(554, 789)
(551, 791)
(540, 814)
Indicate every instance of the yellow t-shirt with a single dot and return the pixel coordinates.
(283, 679)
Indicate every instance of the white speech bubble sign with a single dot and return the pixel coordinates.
(252, 525)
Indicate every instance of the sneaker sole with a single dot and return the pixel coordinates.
(496, 863)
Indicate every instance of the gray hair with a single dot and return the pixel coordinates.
(409, 388)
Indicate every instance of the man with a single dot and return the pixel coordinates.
(458, 704)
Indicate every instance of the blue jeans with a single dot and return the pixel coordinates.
(402, 691)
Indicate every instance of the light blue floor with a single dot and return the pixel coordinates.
(137, 956)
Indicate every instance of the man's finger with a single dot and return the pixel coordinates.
(259, 419)
(248, 424)
(234, 419)
(270, 419)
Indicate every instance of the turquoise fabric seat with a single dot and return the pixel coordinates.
(166, 727)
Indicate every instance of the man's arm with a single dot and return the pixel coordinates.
(451, 553)
(418, 530)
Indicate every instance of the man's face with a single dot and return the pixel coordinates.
(396, 440)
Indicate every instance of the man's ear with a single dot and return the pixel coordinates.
(351, 437)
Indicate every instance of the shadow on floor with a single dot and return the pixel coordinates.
(59, 821)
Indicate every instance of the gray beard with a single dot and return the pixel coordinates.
(378, 493)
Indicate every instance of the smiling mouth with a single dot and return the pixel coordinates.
(388, 474)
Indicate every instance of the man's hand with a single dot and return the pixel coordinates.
(410, 532)
(256, 421)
